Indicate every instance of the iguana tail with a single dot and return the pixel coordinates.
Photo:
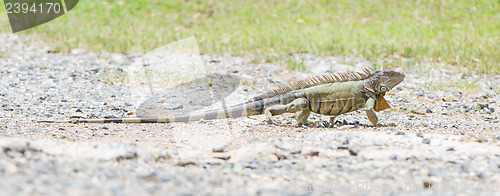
(241, 110)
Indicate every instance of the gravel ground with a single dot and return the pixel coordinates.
(436, 140)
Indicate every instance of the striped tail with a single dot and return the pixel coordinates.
(241, 110)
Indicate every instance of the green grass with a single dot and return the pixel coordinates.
(459, 33)
(469, 85)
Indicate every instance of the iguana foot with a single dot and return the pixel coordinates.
(316, 124)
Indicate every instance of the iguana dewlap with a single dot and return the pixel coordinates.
(329, 94)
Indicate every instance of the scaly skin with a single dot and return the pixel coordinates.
(339, 95)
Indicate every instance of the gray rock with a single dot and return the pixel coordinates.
(221, 148)
(343, 147)
(223, 157)
(426, 141)
(354, 150)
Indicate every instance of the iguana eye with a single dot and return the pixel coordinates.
(383, 88)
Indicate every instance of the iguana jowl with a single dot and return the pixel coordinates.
(329, 94)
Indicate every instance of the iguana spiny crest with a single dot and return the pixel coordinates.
(317, 80)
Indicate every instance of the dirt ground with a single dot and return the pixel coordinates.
(442, 135)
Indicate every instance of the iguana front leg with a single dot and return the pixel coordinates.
(300, 104)
(370, 104)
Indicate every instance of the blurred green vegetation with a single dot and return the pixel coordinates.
(458, 33)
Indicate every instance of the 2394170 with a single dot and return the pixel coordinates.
(16, 8)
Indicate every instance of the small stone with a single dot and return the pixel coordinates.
(400, 133)
(417, 111)
(482, 105)
(10, 167)
(433, 172)
(465, 167)
(481, 138)
(186, 163)
(487, 118)
(481, 174)
(343, 147)
(237, 167)
(221, 148)
(483, 96)
(428, 110)
(462, 132)
(497, 137)
(451, 148)
(391, 124)
(80, 131)
(77, 116)
(428, 184)
(354, 150)
(295, 152)
(280, 155)
(426, 141)
(309, 151)
(225, 158)
(419, 134)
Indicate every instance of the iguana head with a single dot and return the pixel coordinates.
(383, 81)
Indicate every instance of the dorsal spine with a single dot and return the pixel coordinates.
(316, 80)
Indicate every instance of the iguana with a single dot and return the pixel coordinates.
(330, 94)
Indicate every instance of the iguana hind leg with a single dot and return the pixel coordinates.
(300, 104)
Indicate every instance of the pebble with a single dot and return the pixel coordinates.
(428, 184)
(354, 150)
(482, 106)
(481, 174)
(280, 155)
(481, 138)
(221, 148)
(343, 147)
(223, 157)
(426, 141)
